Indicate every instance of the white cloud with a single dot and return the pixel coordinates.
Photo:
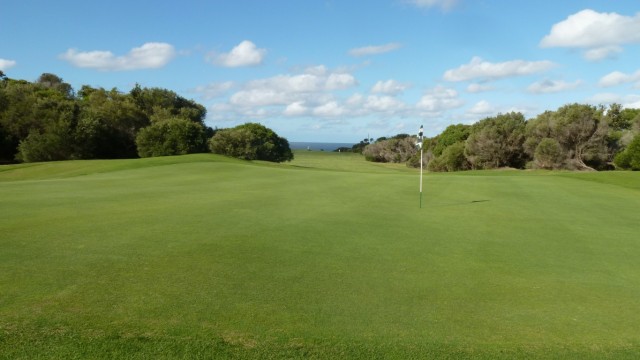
(389, 87)
(384, 104)
(481, 108)
(627, 101)
(374, 49)
(602, 53)
(444, 4)
(355, 100)
(318, 70)
(340, 81)
(148, 56)
(296, 109)
(316, 92)
(552, 86)
(244, 54)
(437, 100)
(632, 102)
(311, 87)
(619, 78)
(479, 69)
(601, 33)
(477, 88)
(260, 97)
(330, 109)
(214, 90)
(6, 64)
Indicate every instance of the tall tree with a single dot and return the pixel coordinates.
(29, 111)
(580, 130)
(496, 142)
(152, 100)
(108, 124)
(52, 81)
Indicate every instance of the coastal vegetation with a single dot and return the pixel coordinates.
(47, 120)
(574, 137)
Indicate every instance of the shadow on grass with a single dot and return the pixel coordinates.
(461, 203)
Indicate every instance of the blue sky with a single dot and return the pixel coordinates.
(337, 70)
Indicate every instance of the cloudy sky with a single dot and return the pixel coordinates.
(337, 70)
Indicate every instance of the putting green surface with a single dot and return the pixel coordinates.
(328, 256)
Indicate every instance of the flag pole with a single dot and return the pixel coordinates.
(420, 145)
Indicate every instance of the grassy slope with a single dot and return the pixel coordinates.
(327, 257)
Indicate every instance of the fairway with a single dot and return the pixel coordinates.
(326, 257)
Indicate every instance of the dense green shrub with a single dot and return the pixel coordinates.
(451, 159)
(175, 136)
(497, 141)
(48, 146)
(548, 154)
(630, 157)
(451, 135)
(251, 141)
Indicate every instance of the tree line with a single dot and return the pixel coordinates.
(573, 137)
(47, 120)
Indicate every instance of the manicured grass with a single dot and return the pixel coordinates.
(325, 257)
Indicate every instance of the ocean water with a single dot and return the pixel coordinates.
(318, 146)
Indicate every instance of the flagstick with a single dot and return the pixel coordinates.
(421, 177)
(420, 144)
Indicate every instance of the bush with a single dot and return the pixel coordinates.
(548, 154)
(396, 150)
(496, 142)
(251, 141)
(451, 159)
(175, 136)
(630, 157)
(451, 135)
(47, 146)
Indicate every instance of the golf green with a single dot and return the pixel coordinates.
(328, 256)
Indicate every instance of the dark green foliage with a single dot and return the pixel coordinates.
(548, 154)
(497, 142)
(451, 159)
(251, 141)
(48, 146)
(108, 124)
(6, 146)
(359, 147)
(630, 157)
(343, 149)
(171, 137)
(36, 119)
(51, 81)
(621, 119)
(45, 120)
(451, 135)
(153, 100)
